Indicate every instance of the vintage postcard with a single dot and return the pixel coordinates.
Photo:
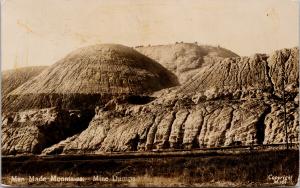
(149, 93)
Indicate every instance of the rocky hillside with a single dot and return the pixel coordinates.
(231, 101)
(185, 59)
(183, 124)
(33, 130)
(260, 75)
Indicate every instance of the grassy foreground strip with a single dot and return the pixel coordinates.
(209, 168)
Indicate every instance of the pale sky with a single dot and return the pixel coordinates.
(40, 32)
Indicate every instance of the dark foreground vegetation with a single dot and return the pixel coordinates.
(254, 168)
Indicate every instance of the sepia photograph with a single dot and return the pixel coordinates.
(149, 93)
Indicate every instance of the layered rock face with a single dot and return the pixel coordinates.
(274, 123)
(183, 125)
(228, 102)
(284, 64)
(31, 131)
(257, 76)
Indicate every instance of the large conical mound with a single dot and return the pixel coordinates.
(106, 69)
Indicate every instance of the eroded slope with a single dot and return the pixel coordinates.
(185, 59)
(236, 101)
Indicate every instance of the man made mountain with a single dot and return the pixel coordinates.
(88, 76)
(231, 101)
(258, 76)
(185, 59)
(246, 108)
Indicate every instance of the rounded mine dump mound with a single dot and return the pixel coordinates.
(105, 69)
(185, 59)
